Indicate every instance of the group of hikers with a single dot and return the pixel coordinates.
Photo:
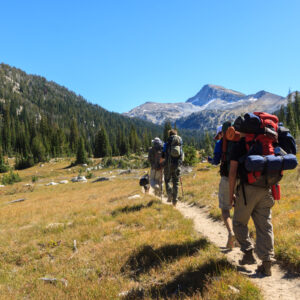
(166, 160)
(252, 153)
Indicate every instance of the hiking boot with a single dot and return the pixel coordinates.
(248, 258)
(169, 198)
(265, 268)
(174, 202)
(231, 241)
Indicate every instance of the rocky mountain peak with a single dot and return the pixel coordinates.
(214, 92)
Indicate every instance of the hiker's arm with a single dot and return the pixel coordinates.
(232, 180)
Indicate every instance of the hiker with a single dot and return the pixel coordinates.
(173, 157)
(155, 159)
(251, 200)
(221, 156)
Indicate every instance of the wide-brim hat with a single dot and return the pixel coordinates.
(219, 130)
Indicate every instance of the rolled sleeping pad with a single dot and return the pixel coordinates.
(258, 163)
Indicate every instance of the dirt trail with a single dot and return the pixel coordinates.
(280, 285)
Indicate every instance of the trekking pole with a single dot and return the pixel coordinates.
(181, 187)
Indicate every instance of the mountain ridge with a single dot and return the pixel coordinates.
(209, 107)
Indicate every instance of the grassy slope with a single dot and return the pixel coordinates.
(203, 190)
(136, 245)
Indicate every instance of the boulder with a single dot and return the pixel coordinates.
(125, 172)
(134, 197)
(52, 183)
(64, 182)
(99, 179)
(79, 179)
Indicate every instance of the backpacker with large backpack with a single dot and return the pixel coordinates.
(174, 148)
(270, 149)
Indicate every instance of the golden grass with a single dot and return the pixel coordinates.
(139, 247)
(201, 188)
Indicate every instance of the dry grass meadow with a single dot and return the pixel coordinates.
(202, 188)
(125, 248)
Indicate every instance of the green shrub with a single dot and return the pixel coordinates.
(24, 162)
(190, 155)
(89, 175)
(34, 178)
(10, 178)
(4, 168)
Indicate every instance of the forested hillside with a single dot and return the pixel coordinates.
(41, 119)
(290, 114)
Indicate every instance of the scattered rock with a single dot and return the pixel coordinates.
(54, 280)
(79, 179)
(1, 185)
(64, 182)
(75, 246)
(52, 183)
(42, 165)
(186, 169)
(125, 172)
(15, 201)
(27, 184)
(54, 225)
(134, 197)
(99, 179)
(84, 165)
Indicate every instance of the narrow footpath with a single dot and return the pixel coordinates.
(280, 285)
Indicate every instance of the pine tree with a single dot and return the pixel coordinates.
(81, 157)
(281, 115)
(297, 109)
(102, 146)
(208, 144)
(134, 141)
(74, 136)
(290, 118)
(167, 127)
(38, 150)
(6, 132)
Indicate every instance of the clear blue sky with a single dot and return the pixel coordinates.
(122, 53)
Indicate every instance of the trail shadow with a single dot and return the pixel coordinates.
(146, 257)
(128, 209)
(186, 284)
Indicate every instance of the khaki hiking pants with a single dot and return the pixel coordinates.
(259, 204)
(156, 177)
(172, 173)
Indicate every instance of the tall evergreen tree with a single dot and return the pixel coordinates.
(102, 146)
(290, 117)
(297, 109)
(6, 131)
(208, 144)
(134, 141)
(74, 136)
(167, 127)
(81, 157)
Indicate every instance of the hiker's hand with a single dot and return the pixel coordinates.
(232, 200)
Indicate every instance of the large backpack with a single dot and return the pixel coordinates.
(175, 144)
(261, 137)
